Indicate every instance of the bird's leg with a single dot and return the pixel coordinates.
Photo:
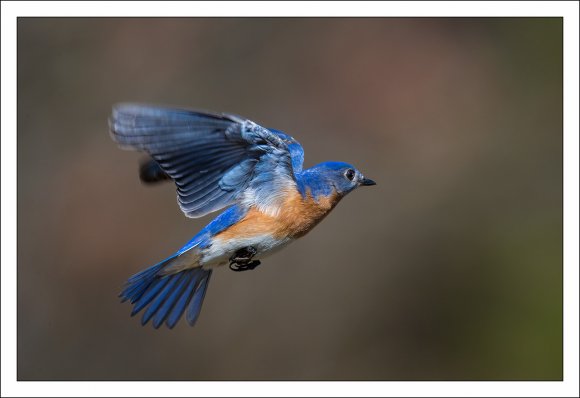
(242, 259)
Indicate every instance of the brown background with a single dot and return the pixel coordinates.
(450, 268)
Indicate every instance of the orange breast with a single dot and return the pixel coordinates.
(296, 217)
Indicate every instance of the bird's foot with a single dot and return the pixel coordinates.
(242, 259)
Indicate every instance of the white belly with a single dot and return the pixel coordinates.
(220, 251)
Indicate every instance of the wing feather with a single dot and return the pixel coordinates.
(215, 159)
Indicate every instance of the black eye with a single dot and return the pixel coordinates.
(349, 174)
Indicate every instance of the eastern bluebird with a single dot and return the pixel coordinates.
(219, 161)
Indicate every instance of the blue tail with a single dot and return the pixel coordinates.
(167, 296)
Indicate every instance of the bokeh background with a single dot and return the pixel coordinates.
(449, 269)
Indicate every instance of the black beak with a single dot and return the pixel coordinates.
(367, 181)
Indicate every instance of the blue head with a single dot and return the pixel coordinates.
(328, 177)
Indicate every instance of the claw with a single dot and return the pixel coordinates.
(237, 267)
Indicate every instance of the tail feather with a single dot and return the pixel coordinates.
(160, 298)
(195, 306)
(171, 300)
(148, 296)
(167, 296)
(136, 285)
(182, 302)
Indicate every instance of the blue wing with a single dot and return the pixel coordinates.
(296, 150)
(215, 159)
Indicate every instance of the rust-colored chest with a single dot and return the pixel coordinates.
(296, 217)
(300, 214)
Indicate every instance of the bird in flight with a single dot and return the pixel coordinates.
(222, 161)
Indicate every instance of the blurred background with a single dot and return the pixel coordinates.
(449, 269)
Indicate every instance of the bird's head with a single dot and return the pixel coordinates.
(343, 177)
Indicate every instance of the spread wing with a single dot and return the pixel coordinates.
(215, 159)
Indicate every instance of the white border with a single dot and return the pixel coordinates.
(289, 8)
(11, 10)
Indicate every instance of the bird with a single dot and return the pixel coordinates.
(222, 161)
